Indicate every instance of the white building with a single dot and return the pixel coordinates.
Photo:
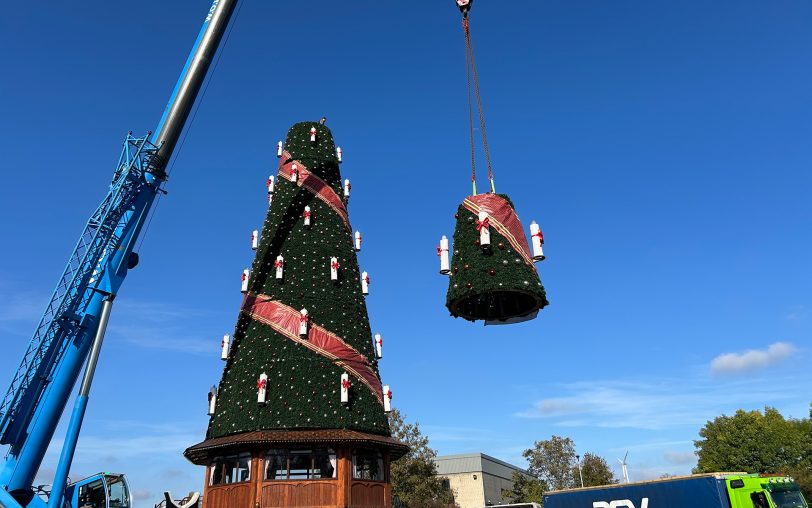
(477, 479)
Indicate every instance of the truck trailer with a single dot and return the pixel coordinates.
(716, 490)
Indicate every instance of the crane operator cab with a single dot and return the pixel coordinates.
(103, 490)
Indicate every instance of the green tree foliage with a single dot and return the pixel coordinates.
(596, 471)
(756, 442)
(553, 465)
(414, 478)
(526, 489)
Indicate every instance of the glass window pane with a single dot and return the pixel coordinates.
(92, 495)
(300, 464)
(367, 465)
(217, 472)
(276, 465)
(324, 464)
(117, 489)
(243, 468)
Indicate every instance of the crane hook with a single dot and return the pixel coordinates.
(465, 6)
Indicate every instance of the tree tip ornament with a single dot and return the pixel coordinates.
(498, 286)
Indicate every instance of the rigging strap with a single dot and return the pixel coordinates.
(470, 65)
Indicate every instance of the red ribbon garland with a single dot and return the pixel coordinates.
(483, 224)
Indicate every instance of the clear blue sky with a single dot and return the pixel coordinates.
(663, 147)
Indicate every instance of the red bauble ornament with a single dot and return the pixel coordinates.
(492, 272)
(466, 266)
(469, 285)
(501, 246)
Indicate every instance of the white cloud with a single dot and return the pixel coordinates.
(752, 360)
(653, 404)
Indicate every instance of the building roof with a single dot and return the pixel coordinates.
(202, 452)
(476, 463)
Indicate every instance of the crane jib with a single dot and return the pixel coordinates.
(40, 388)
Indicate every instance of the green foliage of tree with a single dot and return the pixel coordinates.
(414, 478)
(552, 461)
(526, 489)
(756, 442)
(596, 471)
(553, 465)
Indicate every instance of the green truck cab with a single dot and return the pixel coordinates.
(764, 491)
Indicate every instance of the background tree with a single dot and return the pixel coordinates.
(552, 461)
(526, 489)
(414, 477)
(596, 471)
(756, 442)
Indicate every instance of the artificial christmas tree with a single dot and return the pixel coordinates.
(300, 415)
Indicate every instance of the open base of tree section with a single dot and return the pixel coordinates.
(304, 468)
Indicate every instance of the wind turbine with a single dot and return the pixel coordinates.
(623, 465)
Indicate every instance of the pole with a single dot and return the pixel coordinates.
(580, 471)
(78, 416)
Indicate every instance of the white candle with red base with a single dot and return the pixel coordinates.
(262, 388)
(212, 400)
(347, 188)
(279, 267)
(365, 283)
(271, 184)
(255, 239)
(442, 252)
(358, 241)
(245, 275)
(378, 346)
(334, 266)
(339, 154)
(345, 388)
(483, 225)
(304, 323)
(313, 133)
(279, 149)
(537, 239)
(306, 216)
(387, 399)
(294, 173)
(225, 344)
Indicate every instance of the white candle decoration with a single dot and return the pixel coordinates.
(484, 227)
(345, 388)
(442, 252)
(245, 274)
(279, 149)
(378, 346)
(304, 323)
(334, 266)
(306, 216)
(387, 399)
(271, 184)
(255, 239)
(262, 388)
(365, 283)
(270, 199)
(279, 266)
(358, 241)
(212, 400)
(347, 188)
(313, 133)
(294, 173)
(339, 154)
(225, 345)
(537, 239)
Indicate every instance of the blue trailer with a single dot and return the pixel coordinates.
(717, 490)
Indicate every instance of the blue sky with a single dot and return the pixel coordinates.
(663, 147)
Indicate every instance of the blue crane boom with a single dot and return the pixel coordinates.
(75, 318)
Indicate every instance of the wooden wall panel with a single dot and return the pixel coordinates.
(368, 495)
(305, 494)
(229, 496)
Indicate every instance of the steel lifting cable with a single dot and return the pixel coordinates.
(470, 65)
